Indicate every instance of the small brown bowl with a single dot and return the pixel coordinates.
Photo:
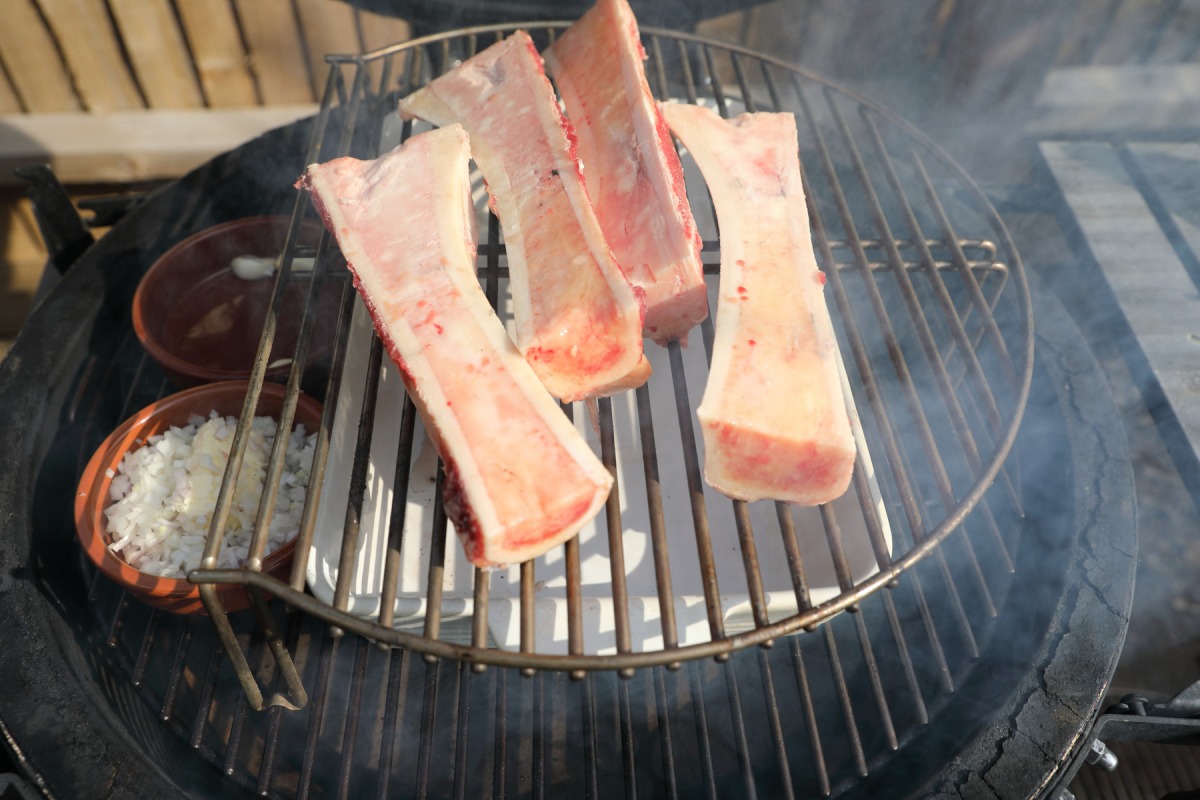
(202, 323)
(92, 497)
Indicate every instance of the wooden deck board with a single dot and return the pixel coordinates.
(132, 145)
(378, 31)
(41, 83)
(328, 27)
(1133, 33)
(1156, 294)
(276, 57)
(211, 30)
(1124, 100)
(156, 48)
(9, 102)
(1180, 38)
(90, 46)
(22, 259)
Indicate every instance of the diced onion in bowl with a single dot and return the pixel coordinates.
(163, 495)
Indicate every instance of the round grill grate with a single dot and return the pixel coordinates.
(933, 317)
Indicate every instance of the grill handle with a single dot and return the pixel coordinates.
(62, 229)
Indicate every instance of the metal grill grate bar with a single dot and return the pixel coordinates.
(266, 770)
(833, 536)
(879, 546)
(316, 719)
(539, 735)
(588, 703)
(714, 81)
(696, 688)
(500, 772)
(574, 602)
(207, 689)
(391, 566)
(739, 73)
(172, 692)
(118, 620)
(777, 738)
(275, 712)
(745, 767)
(308, 518)
(480, 615)
(873, 676)
(616, 549)
(393, 709)
(745, 532)
(437, 561)
(658, 529)
(358, 479)
(628, 760)
(258, 655)
(350, 726)
(810, 716)
(527, 601)
(939, 654)
(663, 716)
(428, 714)
(906, 662)
(843, 694)
(465, 687)
(787, 529)
(695, 481)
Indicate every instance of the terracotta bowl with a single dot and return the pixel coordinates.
(92, 496)
(202, 323)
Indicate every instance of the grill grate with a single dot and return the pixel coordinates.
(937, 333)
(939, 340)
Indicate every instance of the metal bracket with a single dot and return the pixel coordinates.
(297, 696)
(109, 210)
(1136, 719)
(65, 235)
(1183, 705)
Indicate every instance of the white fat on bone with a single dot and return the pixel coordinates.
(773, 415)
(632, 171)
(578, 319)
(519, 478)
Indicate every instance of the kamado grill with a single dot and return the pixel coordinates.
(995, 517)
